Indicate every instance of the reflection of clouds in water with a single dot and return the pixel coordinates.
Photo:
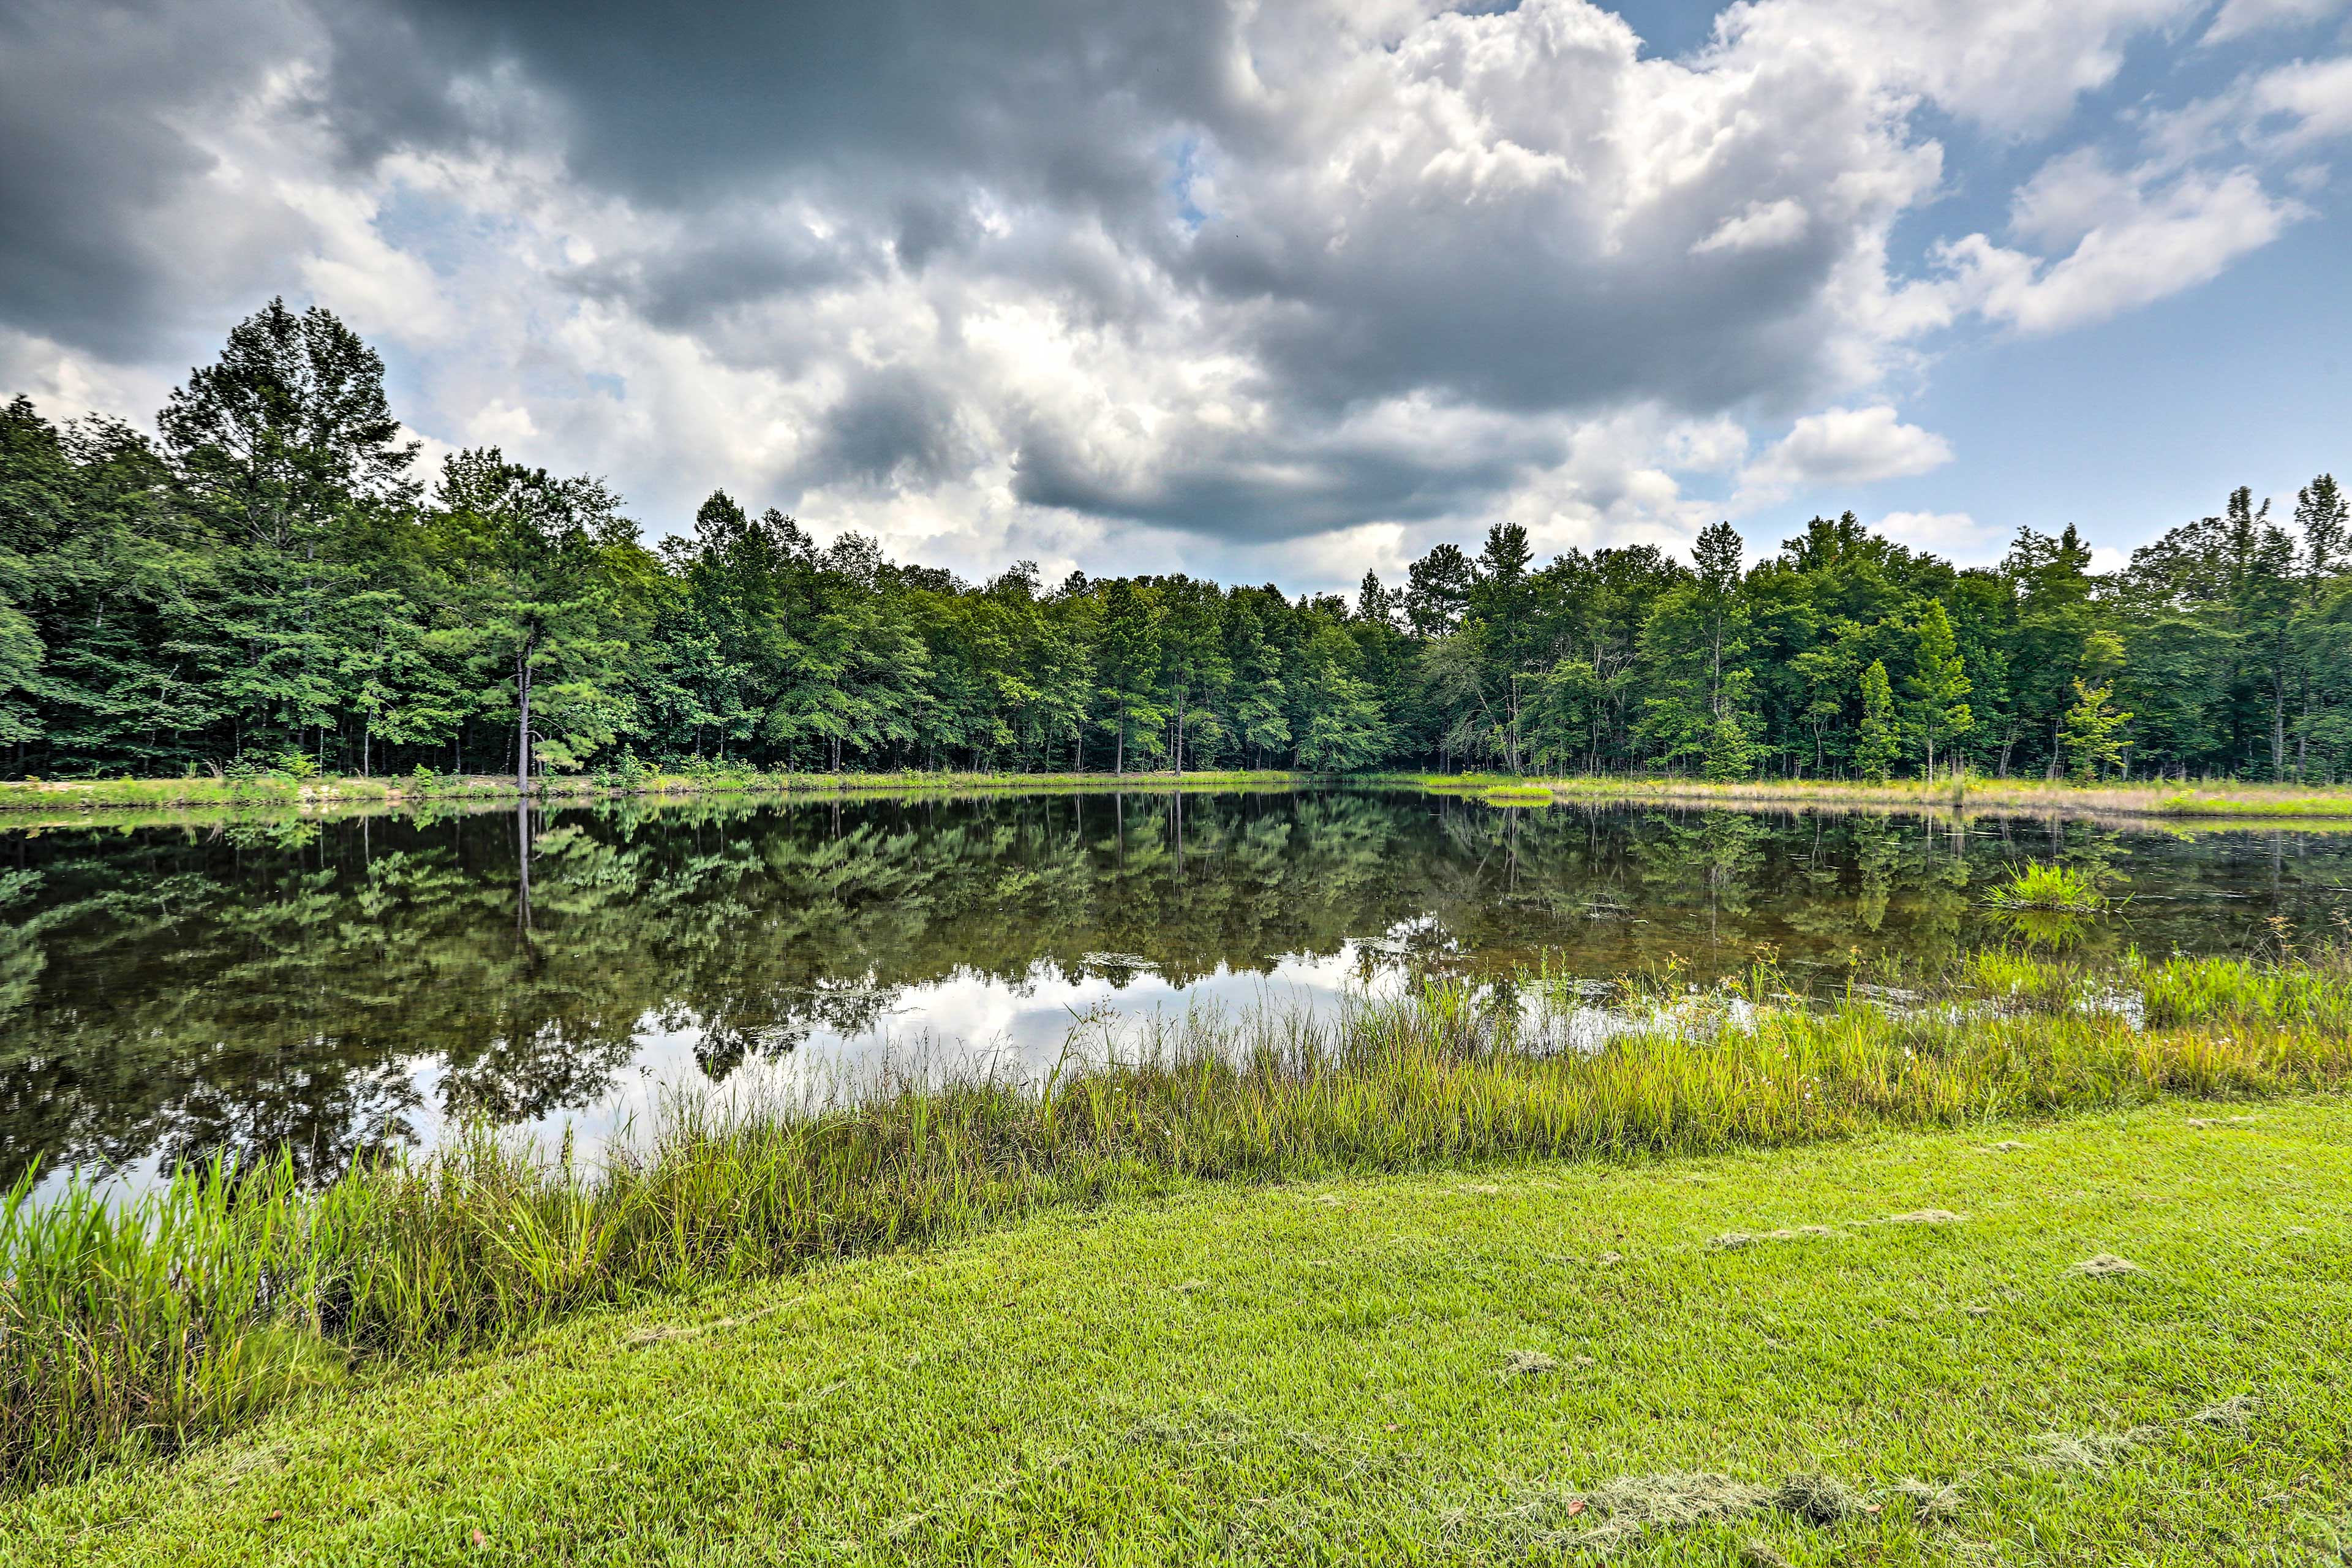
(968, 1024)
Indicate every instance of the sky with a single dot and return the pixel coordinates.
(1265, 290)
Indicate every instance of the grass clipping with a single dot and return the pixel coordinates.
(1631, 1506)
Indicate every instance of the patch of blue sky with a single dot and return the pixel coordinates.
(1185, 167)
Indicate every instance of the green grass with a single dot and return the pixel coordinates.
(138, 1328)
(1536, 1361)
(2065, 889)
(2228, 799)
(274, 791)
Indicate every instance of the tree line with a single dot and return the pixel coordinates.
(271, 582)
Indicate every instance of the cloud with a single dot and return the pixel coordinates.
(1187, 279)
(2135, 248)
(1844, 446)
(1954, 535)
(2239, 18)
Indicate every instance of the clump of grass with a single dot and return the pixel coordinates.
(143, 1325)
(2100, 1265)
(1527, 1364)
(2062, 889)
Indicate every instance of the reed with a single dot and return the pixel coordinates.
(139, 1326)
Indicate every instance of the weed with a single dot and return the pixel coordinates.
(2100, 1265)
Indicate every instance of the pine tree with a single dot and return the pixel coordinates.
(2322, 514)
(1876, 748)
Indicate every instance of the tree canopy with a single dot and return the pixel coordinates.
(269, 580)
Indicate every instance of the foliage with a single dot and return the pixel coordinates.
(2055, 887)
(272, 576)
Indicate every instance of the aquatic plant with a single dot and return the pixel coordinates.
(2065, 889)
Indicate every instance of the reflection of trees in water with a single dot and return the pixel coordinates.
(170, 991)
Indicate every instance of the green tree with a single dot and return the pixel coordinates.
(532, 555)
(2092, 732)
(1344, 730)
(1938, 685)
(1127, 661)
(1875, 749)
(1694, 645)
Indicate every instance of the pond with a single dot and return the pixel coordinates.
(331, 987)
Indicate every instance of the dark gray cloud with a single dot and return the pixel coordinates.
(1300, 483)
(687, 284)
(894, 425)
(93, 97)
(674, 105)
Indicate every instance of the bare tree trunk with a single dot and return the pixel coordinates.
(522, 849)
(522, 721)
(2278, 724)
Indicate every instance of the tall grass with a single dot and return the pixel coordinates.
(2221, 799)
(2067, 889)
(270, 791)
(141, 1326)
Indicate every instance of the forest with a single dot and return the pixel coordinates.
(271, 583)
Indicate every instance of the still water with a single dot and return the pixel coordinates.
(333, 986)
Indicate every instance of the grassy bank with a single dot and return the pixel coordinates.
(280, 791)
(1882, 1350)
(2239, 804)
(2229, 799)
(143, 1326)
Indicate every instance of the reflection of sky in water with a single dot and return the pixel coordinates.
(972, 1023)
(369, 983)
(969, 1023)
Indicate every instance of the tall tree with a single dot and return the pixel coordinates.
(1126, 660)
(534, 555)
(1939, 685)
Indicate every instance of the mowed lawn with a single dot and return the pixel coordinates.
(1532, 1363)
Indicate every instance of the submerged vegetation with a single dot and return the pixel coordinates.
(141, 1325)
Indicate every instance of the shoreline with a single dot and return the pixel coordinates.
(1887, 1347)
(2254, 805)
(1975, 796)
(157, 1324)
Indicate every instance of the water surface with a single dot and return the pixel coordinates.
(331, 987)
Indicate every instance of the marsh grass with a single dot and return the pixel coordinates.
(2055, 887)
(2227, 799)
(278, 791)
(139, 1325)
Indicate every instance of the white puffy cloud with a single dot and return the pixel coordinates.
(1844, 447)
(2134, 247)
(1954, 535)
